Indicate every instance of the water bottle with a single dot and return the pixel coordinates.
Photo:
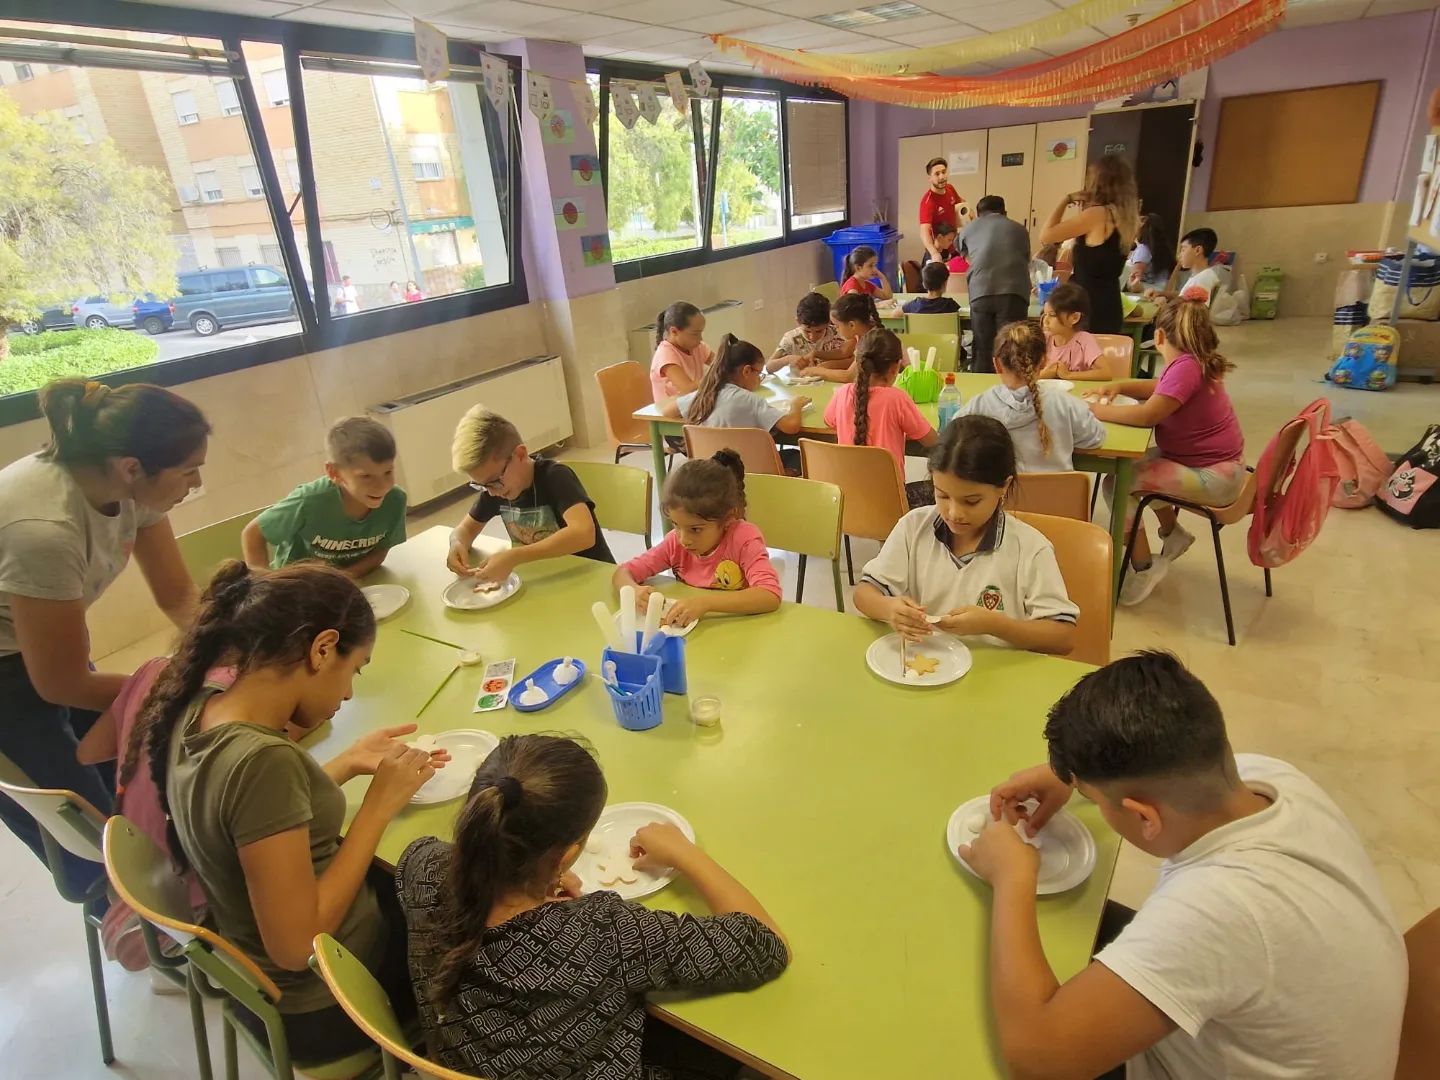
(949, 404)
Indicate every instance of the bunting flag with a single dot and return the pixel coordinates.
(1182, 38)
(585, 102)
(700, 79)
(649, 101)
(539, 95)
(496, 75)
(432, 51)
(679, 96)
(622, 100)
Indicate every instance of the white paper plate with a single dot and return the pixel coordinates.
(673, 631)
(610, 840)
(468, 748)
(386, 600)
(1063, 384)
(883, 658)
(460, 594)
(1067, 850)
(788, 375)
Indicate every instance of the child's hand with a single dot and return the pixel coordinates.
(998, 854)
(966, 621)
(907, 619)
(458, 560)
(1151, 294)
(642, 598)
(497, 567)
(398, 775)
(797, 404)
(659, 846)
(1105, 396)
(686, 611)
(1008, 800)
(569, 887)
(800, 361)
(366, 752)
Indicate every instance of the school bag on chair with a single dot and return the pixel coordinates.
(1412, 494)
(1362, 466)
(1370, 361)
(1294, 486)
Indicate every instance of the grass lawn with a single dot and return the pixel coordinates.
(72, 354)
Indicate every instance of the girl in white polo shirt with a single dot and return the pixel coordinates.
(987, 574)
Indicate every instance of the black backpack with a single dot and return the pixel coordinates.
(1412, 494)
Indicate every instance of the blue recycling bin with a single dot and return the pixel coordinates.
(883, 238)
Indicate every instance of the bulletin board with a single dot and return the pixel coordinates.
(1293, 147)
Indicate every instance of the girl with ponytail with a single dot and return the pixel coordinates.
(256, 818)
(518, 974)
(854, 315)
(728, 394)
(1047, 423)
(680, 355)
(711, 546)
(873, 412)
(863, 274)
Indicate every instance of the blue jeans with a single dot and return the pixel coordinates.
(40, 738)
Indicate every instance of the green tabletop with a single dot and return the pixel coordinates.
(826, 796)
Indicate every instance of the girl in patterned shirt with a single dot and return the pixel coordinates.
(520, 975)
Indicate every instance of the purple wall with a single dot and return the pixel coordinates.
(1394, 48)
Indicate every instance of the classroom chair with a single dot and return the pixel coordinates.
(625, 389)
(944, 323)
(1083, 551)
(828, 289)
(143, 877)
(947, 348)
(1119, 347)
(203, 550)
(1060, 494)
(755, 446)
(871, 485)
(798, 515)
(1420, 1032)
(1218, 516)
(621, 494)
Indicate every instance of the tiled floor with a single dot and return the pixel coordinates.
(1329, 673)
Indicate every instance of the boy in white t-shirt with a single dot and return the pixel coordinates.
(1266, 950)
(1194, 278)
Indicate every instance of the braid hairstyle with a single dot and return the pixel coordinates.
(856, 307)
(532, 798)
(711, 488)
(876, 355)
(734, 356)
(1020, 348)
(857, 257)
(1188, 327)
(253, 620)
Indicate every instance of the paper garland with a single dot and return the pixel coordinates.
(649, 101)
(538, 95)
(679, 96)
(432, 51)
(622, 100)
(700, 79)
(585, 102)
(495, 74)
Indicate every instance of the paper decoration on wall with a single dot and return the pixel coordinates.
(569, 213)
(538, 95)
(649, 101)
(964, 162)
(700, 79)
(432, 51)
(595, 250)
(585, 169)
(585, 102)
(1060, 150)
(496, 75)
(559, 128)
(679, 96)
(622, 100)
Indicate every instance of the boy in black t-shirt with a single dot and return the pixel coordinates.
(934, 276)
(542, 503)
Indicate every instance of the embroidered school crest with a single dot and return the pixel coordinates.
(991, 599)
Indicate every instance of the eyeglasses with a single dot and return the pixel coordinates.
(499, 481)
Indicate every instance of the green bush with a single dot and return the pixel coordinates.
(474, 277)
(34, 361)
(644, 247)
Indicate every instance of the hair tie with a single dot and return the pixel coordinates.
(512, 792)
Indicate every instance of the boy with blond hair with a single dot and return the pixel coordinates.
(541, 502)
(348, 518)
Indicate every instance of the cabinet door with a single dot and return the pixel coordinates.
(1011, 168)
(964, 152)
(1060, 147)
(914, 152)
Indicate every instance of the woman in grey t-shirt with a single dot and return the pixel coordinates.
(70, 517)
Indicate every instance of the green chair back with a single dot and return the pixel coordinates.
(828, 289)
(945, 323)
(622, 495)
(798, 515)
(947, 348)
(205, 549)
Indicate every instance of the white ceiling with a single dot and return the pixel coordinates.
(672, 32)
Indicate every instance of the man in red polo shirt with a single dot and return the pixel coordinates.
(940, 203)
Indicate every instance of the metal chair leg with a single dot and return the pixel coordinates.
(391, 1065)
(849, 563)
(839, 594)
(97, 987)
(232, 1058)
(1224, 585)
(1267, 582)
(800, 581)
(197, 1023)
(1095, 496)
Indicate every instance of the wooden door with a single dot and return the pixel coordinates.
(914, 152)
(1010, 169)
(1060, 147)
(964, 152)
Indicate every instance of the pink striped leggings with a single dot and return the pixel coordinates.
(1209, 485)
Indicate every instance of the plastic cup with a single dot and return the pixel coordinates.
(705, 711)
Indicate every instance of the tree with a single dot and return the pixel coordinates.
(650, 169)
(75, 220)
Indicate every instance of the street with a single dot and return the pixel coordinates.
(182, 341)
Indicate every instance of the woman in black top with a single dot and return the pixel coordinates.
(1104, 231)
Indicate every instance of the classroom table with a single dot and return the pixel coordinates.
(827, 796)
(1141, 316)
(1116, 456)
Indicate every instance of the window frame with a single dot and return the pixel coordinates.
(708, 160)
(194, 111)
(318, 330)
(226, 107)
(251, 193)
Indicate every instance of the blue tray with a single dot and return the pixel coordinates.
(544, 678)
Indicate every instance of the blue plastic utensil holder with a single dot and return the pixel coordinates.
(1045, 288)
(671, 651)
(636, 700)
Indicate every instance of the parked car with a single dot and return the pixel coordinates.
(154, 316)
(50, 319)
(211, 300)
(97, 312)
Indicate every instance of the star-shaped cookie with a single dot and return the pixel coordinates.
(922, 665)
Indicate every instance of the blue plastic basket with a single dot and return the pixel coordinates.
(636, 700)
(671, 651)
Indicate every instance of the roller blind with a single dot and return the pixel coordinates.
(815, 134)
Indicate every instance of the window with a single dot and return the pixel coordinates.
(266, 278)
(747, 173)
(229, 256)
(652, 184)
(271, 254)
(250, 177)
(425, 161)
(277, 89)
(229, 99)
(186, 111)
(209, 184)
(24, 72)
(815, 138)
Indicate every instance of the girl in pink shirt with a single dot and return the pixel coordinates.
(1199, 452)
(871, 411)
(1070, 352)
(711, 547)
(680, 356)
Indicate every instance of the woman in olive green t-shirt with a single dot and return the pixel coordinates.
(255, 815)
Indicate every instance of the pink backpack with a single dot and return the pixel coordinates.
(1362, 465)
(1294, 487)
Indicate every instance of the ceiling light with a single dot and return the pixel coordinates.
(871, 16)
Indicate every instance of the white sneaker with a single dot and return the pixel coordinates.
(1176, 544)
(1141, 583)
(161, 986)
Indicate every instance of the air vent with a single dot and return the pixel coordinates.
(870, 16)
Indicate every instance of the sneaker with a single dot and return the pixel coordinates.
(1141, 583)
(1176, 544)
(162, 986)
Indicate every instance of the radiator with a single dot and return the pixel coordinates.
(726, 317)
(529, 393)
